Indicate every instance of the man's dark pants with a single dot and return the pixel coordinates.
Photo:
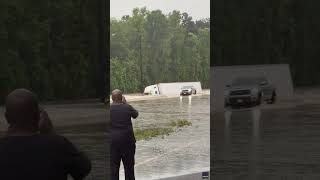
(126, 154)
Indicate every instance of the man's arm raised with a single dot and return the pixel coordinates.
(134, 112)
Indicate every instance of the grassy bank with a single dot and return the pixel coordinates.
(149, 133)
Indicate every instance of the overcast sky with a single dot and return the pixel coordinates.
(198, 9)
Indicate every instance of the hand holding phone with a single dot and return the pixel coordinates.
(45, 124)
(124, 100)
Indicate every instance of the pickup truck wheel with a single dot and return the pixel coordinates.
(259, 99)
(195, 91)
(273, 98)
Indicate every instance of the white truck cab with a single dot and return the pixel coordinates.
(151, 90)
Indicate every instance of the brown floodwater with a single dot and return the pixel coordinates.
(265, 143)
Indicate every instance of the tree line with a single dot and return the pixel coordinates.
(269, 32)
(50, 47)
(149, 47)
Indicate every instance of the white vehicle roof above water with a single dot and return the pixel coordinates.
(151, 90)
(171, 89)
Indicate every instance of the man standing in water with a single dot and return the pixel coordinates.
(123, 144)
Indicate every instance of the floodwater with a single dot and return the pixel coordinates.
(277, 144)
(186, 150)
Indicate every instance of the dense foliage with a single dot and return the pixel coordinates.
(50, 47)
(150, 47)
(268, 32)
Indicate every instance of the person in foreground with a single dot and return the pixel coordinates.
(123, 145)
(25, 153)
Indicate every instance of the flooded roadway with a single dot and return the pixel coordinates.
(182, 152)
(267, 143)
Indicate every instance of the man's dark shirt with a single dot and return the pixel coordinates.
(121, 125)
(41, 157)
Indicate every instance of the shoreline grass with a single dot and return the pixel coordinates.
(180, 123)
(149, 133)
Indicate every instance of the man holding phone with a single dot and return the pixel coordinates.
(30, 151)
(123, 141)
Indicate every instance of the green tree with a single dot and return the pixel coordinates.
(160, 47)
(49, 47)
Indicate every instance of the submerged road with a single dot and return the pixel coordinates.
(267, 143)
(183, 152)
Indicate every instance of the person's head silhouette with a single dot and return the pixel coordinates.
(117, 96)
(22, 112)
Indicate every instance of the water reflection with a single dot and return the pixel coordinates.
(227, 133)
(254, 159)
(189, 107)
(256, 113)
(266, 140)
(253, 155)
(180, 106)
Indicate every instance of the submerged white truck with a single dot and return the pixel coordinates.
(172, 89)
